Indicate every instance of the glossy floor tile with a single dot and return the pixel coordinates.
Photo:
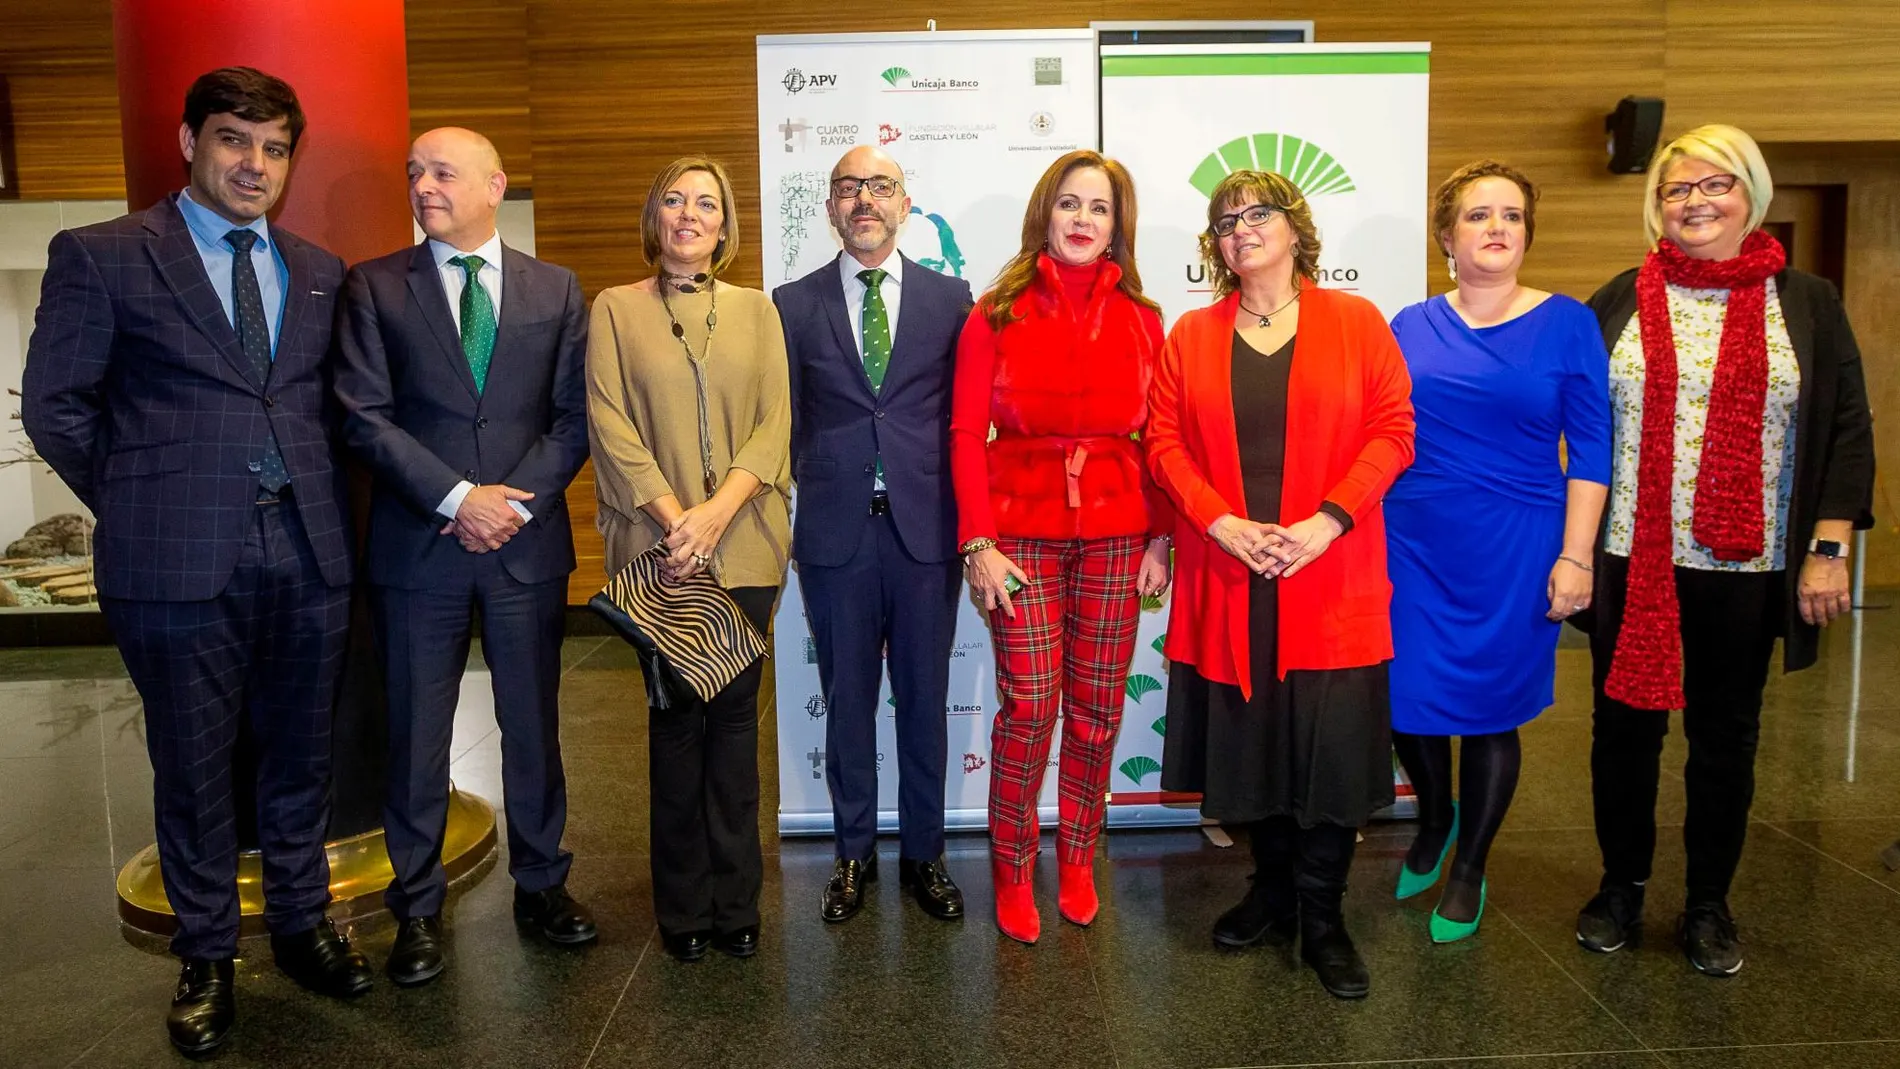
(1142, 988)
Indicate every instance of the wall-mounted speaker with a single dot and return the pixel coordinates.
(1633, 130)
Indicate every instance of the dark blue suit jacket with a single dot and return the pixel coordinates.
(840, 426)
(413, 415)
(139, 396)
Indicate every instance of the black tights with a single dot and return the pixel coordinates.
(1487, 779)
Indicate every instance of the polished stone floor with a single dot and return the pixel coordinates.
(1142, 989)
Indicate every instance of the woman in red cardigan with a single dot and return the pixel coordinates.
(1280, 415)
(1053, 512)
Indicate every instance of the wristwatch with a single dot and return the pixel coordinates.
(1828, 548)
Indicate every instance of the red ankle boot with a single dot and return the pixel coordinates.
(1016, 912)
(1076, 899)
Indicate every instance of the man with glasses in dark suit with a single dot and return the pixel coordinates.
(175, 380)
(872, 339)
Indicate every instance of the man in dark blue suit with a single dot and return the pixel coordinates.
(462, 384)
(176, 381)
(872, 341)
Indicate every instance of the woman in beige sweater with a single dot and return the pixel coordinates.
(690, 417)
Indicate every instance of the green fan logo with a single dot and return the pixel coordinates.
(1160, 726)
(1151, 603)
(892, 74)
(1140, 686)
(1305, 164)
(1137, 767)
(1160, 641)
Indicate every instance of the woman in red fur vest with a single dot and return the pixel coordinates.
(1054, 514)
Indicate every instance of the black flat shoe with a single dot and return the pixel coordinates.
(323, 961)
(416, 958)
(554, 913)
(844, 895)
(930, 884)
(203, 1008)
(687, 946)
(740, 944)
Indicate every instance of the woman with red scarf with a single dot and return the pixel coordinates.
(1058, 536)
(1743, 460)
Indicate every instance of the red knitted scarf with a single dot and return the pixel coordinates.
(1646, 671)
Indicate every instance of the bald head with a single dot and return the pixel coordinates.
(455, 186)
(866, 223)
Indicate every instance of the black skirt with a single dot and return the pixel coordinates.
(1316, 746)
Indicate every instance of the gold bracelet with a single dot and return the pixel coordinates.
(1572, 560)
(976, 545)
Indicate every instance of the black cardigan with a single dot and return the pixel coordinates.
(1833, 454)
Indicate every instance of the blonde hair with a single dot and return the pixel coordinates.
(1717, 145)
(727, 250)
(1275, 191)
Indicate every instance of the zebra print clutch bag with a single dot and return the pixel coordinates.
(692, 638)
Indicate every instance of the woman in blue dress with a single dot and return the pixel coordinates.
(1490, 536)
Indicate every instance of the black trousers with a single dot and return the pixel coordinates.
(881, 600)
(266, 651)
(424, 635)
(707, 866)
(1730, 621)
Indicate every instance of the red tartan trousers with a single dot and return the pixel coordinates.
(1070, 646)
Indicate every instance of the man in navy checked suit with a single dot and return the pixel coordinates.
(175, 380)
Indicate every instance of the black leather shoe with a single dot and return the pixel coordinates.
(740, 944)
(930, 884)
(1329, 950)
(556, 915)
(323, 961)
(417, 956)
(1255, 921)
(844, 895)
(203, 1008)
(687, 946)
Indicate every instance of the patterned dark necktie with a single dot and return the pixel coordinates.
(253, 331)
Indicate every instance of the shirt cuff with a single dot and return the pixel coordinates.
(1337, 513)
(452, 503)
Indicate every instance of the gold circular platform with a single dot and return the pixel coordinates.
(359, 871)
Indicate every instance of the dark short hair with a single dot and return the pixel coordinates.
(1452, 190)
(247, 93)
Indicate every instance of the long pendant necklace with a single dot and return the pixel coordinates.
(1266, 318)
(697, 363)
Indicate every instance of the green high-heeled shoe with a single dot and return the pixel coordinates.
(1414, 883)
(1444, 931)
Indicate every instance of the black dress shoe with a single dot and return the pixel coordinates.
(687, 946)
(740, 944)
(556, 915)
(930, 884)
(323, 961)
(417, 956)
(204, 1007)
(844, 895)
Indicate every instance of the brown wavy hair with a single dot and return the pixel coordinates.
(1452, 190)
(1016, 276)
(1275, 191)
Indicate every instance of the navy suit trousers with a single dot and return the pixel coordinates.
(267, 650)
(882, 600)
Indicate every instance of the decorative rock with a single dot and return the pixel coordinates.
(67, 534)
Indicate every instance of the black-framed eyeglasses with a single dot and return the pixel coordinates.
(1715, 185)
(883, 187)
(1254, 216)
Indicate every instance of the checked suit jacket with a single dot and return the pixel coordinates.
(139, 396)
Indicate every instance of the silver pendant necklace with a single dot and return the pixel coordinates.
(1266, 318)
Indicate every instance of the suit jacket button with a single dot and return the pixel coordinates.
(271, 402)
(880, 415)
(469, 475)
(481, 423)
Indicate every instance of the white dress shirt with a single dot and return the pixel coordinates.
(453, 279)
(854, 292)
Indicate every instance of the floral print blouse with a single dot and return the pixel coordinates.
(1696, 315)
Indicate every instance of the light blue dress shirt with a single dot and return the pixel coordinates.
(208, 229)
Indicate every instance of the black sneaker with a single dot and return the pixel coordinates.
(1708, 936)
(1612, 918)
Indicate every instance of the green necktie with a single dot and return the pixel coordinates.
(478, 320)
(875, 327)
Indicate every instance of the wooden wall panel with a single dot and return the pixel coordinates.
(57, 59)
(1826, 70)
(468, 66)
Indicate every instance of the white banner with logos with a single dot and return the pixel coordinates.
(1347, 123)
(974, 118)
